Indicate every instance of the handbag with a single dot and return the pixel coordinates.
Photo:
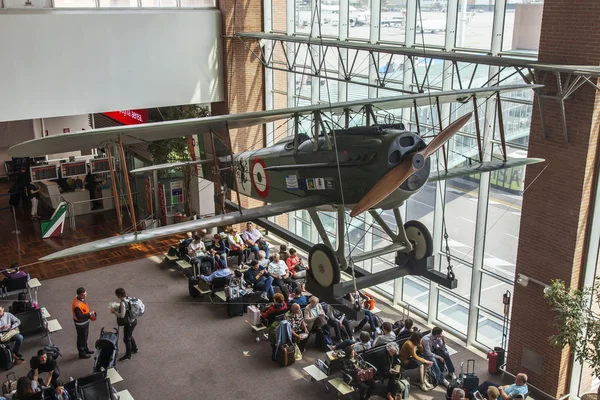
(6, 336)
(297, 353)
(299, 267)
(365, 374)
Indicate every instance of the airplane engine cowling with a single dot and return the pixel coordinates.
(403, 146)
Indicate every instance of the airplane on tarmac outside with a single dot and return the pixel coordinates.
(351, 168)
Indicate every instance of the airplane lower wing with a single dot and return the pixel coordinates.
(191, 226)
(486, 166)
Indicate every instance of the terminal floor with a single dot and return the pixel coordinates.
(89, 227)
(188, 347)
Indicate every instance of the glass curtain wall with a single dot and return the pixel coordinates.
(133, 3)
(466, 209)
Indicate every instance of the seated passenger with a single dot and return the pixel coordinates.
(386, 336)
(8, 330)
(43, 363)
(221, 272)
(411, 360)
(283, 253)
(14, 272)
(236, 246)
(350, 367)
(314, 315)
(60, 393)
(281, 276)
(365, 342)
(184, 243)
(338, 322)
(407, 329)
(434, 349)
(295, 266)
(260, 280)
(219, 246)
(507, 392)
(458, 394)
(299, 298)
(278, 305)
(255, 240)
(196, 246)
(356, 297)
(263, 261)
(25, 388)
(493, 393)
(21, 304)
(220, 261)
(299, 329)
(391, 369)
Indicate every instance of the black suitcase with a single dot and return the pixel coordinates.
(6, 358)
(235, 307)
(191, 283)
(470, 380)
(206, 268)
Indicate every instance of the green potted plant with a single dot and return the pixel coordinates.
(176, 149)
(577, 324)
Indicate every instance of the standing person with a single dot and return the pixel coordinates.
(82, 316)
(9, 332)
(90, 185)
(130, 345)
(34, 195)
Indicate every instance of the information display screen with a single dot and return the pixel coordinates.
(73, 169)
(43, 173)
(99, 166)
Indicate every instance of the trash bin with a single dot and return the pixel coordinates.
(500, 360)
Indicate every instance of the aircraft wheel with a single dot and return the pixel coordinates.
(323, 265)
(421, 239)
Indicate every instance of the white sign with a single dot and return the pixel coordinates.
(320, 183)
(291, 182)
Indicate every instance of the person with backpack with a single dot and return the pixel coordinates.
(126, 317)
(43, 362)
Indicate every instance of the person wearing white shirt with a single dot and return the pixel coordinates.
(236, 245)
(197, 245)
(279, 272)
(254, 239)
(263, 261)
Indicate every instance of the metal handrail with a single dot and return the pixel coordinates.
(70, 213)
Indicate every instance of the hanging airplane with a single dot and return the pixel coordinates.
(351, 168)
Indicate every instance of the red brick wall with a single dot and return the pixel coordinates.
(243, 76)
(554, 223)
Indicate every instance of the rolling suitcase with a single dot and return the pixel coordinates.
(470, 380)
(193, 281)
(235, 307)
(285, 355)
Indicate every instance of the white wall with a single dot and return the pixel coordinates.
(12, 133)
(69, 62)
(55, 126)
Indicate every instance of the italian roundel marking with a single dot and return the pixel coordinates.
(260, 181)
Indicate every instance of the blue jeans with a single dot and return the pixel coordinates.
(254, 249)
(18, 340)
(266, 285)
(368, 318)
(447, 360)
(437, 369)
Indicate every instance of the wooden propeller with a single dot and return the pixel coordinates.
(401, 172)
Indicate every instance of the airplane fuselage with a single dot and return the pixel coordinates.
(358, 159)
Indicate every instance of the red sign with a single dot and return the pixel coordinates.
(148, 196)
(193, 152)
(163, 204)
(129, 117)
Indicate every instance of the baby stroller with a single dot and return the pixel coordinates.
(107, 350)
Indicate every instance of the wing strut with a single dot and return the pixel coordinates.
(113, 182)
(127, 185)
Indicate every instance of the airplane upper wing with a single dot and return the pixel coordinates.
(478, 168)
(132, 134)
(168, 166)
(191, 226)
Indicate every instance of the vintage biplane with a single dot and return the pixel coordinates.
(361, 169)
